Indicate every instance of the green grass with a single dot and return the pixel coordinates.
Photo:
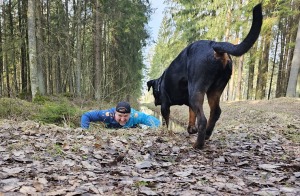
(16, 109)
(52, 110)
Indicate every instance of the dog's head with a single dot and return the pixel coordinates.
(155, 84)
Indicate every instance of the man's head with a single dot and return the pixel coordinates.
(122, 114)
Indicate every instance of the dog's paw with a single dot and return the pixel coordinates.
(192, 130)
(207, 137)
(198, 146)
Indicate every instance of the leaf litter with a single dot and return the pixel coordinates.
(255, 150)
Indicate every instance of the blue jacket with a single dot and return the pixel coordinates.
(107, 117)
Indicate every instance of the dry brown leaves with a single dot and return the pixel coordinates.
(240, 159)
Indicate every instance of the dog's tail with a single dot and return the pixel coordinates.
(247, 43)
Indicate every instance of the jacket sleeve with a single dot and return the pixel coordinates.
(146, 119)
(86, 118)
(95, 116)
(85, 121)
(152, 121)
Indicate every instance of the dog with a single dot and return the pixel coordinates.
(202, 68)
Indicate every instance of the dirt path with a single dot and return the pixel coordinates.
(253, 151)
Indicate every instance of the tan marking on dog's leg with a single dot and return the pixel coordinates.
(213, 98)
(192, 119)
(201, 121)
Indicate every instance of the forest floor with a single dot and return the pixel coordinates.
(254, 150)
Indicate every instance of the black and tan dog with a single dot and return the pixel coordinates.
(203, 67)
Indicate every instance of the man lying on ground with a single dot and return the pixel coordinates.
(122, 116)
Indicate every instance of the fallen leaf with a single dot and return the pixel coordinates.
(28, 190)
(147, 191)
(13, 171)
(143, 164)
(183, 173)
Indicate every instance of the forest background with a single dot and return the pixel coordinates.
(60, 58)
(94, 49)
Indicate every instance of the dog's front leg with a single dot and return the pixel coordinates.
(165, 111)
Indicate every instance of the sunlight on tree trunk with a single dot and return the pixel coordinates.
(292, 85)
(40, 47)
(98, 59)
(32, 48)
(79, 51)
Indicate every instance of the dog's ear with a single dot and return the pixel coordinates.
(150, 84)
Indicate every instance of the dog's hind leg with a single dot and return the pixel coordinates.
(215, 111)
(192, 119)
(214, 94)
(197, 105)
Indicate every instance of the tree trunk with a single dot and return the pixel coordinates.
(286, 58)
(273, 67)
(32, 48)
(288, 66)
(50, 77)
(298, 87)
(12, 50)
(228, 26)
(79, 48)
(239, 79)
(250, 91)
(22, 9)
(281, 59)
(98, 59)
(41, 71)
(263, 70)
(68, 57)
(230, 85)
(5, 55)
(1, 57)
(292, 84)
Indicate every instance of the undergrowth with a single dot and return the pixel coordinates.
(61, 110)
(16, 109)
(53, 110)
(58, 113)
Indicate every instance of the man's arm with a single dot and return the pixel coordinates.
(145, 119)
(152, 121)
(85, 121)
(95, 116)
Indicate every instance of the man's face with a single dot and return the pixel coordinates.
(122, 118)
